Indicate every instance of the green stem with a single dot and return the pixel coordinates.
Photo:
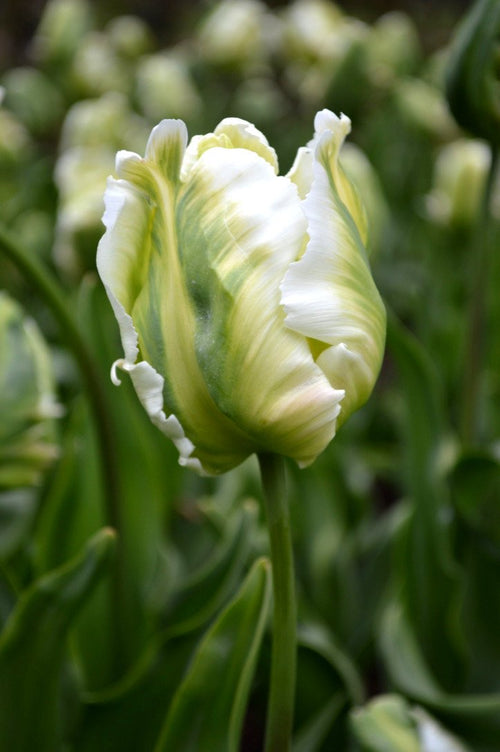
(283, 660)
(49, 289)
(474, 351)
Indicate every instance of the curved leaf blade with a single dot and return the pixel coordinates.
(32, 648)
(208, 709)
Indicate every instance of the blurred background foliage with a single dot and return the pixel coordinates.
(396, 527)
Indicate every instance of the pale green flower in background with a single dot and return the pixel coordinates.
(28, 404)
(63, 25)
(248, 314)
(15, 141)
(91, 133)
(392, 48)
(238, 33)
(106, 120)
(130, 36)
(423, 106)
(460, 175)
(97, 68)
(316, 39)
(80, 176)
(163, 84)
(32, 96)
(310, 29)
(388, 723)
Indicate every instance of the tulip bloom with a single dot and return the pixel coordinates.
(248, 314)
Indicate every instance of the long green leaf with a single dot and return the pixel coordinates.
(476, 717)
(208, 709)
(32, 649)
(429, 578)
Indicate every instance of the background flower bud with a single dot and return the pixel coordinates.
(27, 401)
(459, 181)
(163, 84)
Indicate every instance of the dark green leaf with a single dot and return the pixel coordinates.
(208, 709)
(32, 649)
(428, 577)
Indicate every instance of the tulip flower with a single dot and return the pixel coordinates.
(248, 313)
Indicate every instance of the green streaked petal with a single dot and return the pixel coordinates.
(261, 374)
(329, 295)
(301, 172)
(139, 262)
(231, 133)
(244, 135)
(166, 146)
(331, 132)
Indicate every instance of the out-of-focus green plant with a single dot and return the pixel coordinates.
(473, 80)
(28, 442)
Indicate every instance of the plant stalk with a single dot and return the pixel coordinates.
(284, 640)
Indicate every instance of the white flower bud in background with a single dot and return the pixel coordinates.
(424, 107)
(63, 25)
(32, 96)
(91, 133)
(238, 33)
(130, 36)
(163, 84)
(460, 175)
(27, 399)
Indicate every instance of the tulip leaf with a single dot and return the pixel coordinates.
(32, 648)
(475, 488)
(75, 507)
(203, 593)
(208, 709)
(312, 735)
(476, 717)
(429, 577)
(316, 638)
(132, 710)
(17, 511)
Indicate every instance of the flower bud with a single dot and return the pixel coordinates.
(392, 48)
(63, 26)
(473, 84)
(248, 314)
(27, 402)
(90, 134)
(459, 182)
(164, 84)
(32, 96)
(237, 34)
(130, 36)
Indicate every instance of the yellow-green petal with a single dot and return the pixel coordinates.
(329, 295)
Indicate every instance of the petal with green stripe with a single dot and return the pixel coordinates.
(329, 295)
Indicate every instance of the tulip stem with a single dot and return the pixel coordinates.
(49, 289)
(474, 351)
(283, 658)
